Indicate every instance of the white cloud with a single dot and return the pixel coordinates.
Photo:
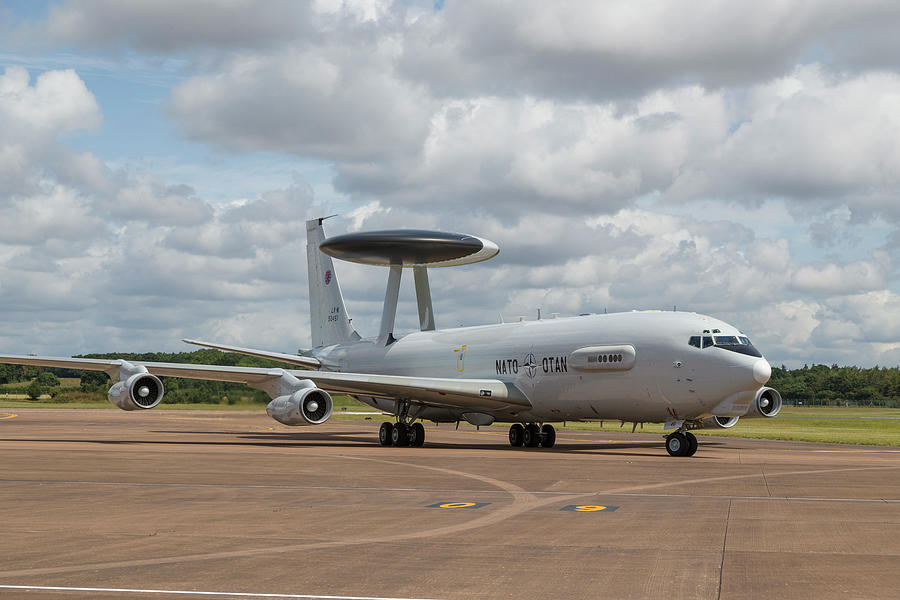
(170, 25)
(811, 137)
(563, 132)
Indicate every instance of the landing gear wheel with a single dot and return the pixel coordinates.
(384, 434)
(417, 435)
(532, 436)
(516, 435)
(400, 435)
(548, 436)
(677, 444)
(692, 443)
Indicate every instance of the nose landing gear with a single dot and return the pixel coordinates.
(681, 443)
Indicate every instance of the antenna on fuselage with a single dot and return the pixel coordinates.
(412, 248)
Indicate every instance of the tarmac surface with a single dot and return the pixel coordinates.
(188, 502)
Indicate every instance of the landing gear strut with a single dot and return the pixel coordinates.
(404, 432)
(532, 436)
(681, 443)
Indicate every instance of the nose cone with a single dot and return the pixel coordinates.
(762, 371)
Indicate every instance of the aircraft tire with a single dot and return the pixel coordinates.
(417, 433)
(693, 444)
(532, 436)
(548, 436)
(384, 434)
(400, 435)
(677, 444)
(516, 435)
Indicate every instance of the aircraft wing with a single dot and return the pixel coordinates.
(303, 361)
(435, 391)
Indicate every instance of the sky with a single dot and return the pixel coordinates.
(741, 159)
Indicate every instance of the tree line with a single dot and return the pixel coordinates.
(810, 385)
(822, 385)
(93, 386)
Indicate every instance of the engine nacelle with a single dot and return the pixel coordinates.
(309, 406)
(140, 391)
(720, 422)
(766, 403)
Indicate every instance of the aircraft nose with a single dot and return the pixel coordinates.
(762, 371)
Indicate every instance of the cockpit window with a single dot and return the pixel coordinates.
(740, 344)
(734, 343)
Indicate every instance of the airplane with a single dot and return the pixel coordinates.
(683, 369)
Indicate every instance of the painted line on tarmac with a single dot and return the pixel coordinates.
(439, 490)
(782, 498)
(8, 416)
(860, 451)
(195, 593)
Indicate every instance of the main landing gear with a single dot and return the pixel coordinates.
(681, 443)
(532, 436)
(404, 432)
(401, 435)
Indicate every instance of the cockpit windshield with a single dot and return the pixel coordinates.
(733, 343)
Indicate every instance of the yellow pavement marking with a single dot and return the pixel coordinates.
(8, 416)
(457, 505)
(589, 508)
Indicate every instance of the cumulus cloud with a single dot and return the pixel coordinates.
(169, 25)
(621, 155)
(809, 136)
(582, 49)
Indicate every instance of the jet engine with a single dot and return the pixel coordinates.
(140, 391)
(766, 403)
(719, 422)
(308, 406)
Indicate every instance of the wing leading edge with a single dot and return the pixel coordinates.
(454, 393)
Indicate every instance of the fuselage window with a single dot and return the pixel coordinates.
(707, 341)
(694, 341)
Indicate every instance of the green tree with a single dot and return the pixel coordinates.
(47, 380)
(34, 389)
(94, 381)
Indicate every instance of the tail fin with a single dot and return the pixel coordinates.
(328, 320)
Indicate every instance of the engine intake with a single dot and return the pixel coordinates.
(139, 392)
(766, 403)
(720, 422)
(309, 406)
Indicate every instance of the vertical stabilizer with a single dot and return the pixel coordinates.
(328, 320)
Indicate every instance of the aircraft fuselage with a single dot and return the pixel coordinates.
(635, 366)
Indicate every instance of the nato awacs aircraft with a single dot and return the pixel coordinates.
(683, 369)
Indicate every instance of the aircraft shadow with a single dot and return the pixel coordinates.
(353, 440)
